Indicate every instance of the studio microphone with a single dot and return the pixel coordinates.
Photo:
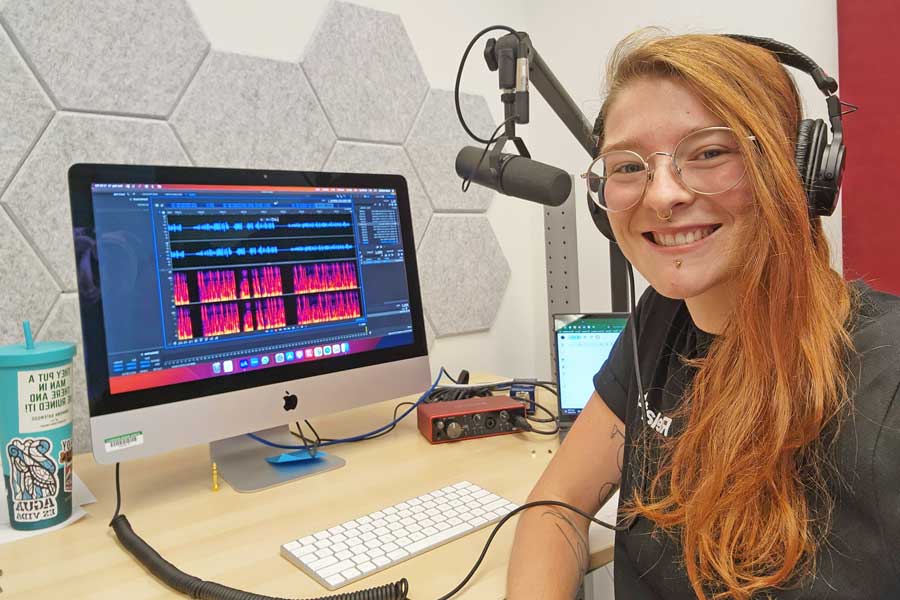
(516, 176)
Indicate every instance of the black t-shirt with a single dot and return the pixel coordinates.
(861, 556)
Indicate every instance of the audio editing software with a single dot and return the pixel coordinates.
(201, 281)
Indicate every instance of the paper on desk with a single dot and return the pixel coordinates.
(608, 513)
(81, 495)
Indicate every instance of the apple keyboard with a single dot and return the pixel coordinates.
(350, 551)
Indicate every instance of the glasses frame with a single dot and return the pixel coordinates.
(677, 169)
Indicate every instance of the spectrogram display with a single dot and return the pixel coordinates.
(237, 274)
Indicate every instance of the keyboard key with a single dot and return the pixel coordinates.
(334, 580)
(381, 560)
(351, 573)
(323, 562)
(437, 538)
(339, 568)
(397, 554)
(366, 567)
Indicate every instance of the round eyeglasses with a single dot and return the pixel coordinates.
(708, 161)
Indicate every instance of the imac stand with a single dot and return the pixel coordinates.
(241, 461)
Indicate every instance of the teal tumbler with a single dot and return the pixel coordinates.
(36, 431)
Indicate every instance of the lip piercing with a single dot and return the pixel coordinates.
(678, 263)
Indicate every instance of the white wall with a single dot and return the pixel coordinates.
(575, 38)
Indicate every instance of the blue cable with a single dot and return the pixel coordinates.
(356, 438)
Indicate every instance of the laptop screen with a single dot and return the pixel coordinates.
(583, 343)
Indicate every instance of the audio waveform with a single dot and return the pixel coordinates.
(259, 250)
(216, 286)
(220, 319)
(328, 306)
(257, 226)
(185, 329)
(325, 277)
(182, 295)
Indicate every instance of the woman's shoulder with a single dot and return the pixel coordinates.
(876, 324)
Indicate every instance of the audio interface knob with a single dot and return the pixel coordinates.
(454, 430)
(439, 425)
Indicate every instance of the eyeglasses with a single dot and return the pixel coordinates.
(708, 161)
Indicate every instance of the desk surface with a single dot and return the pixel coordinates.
(234, 539)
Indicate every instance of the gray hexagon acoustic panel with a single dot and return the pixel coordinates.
(434, 142)
(24, 109)
(359, 99)
(365, 71)
(28, 288)
(463, 273)
(248, 112)
(39, 194)
(121, 57)
(352, 157)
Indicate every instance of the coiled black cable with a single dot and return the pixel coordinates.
(197, 588)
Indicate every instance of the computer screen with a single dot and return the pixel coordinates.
(212, 297)
(583, 343)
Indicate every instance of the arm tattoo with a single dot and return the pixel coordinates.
(577, 542)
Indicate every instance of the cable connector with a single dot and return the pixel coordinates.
(522, 423)
(523, 390)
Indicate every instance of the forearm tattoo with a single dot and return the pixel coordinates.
(576, 540)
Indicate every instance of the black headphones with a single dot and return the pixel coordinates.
(819, 162)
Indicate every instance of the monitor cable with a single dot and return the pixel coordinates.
(195, 587)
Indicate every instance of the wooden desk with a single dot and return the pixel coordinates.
(234, 538)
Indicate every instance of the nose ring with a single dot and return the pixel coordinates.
(666, 217)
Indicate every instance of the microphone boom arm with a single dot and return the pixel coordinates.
(514, 46)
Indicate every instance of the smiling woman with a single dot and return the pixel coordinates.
(777, 379)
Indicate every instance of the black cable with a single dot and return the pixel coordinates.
(507, 517)
(553, 418)
(462, 63)
(467, 181)
(207, 590)
(523, 424)
(118, 494)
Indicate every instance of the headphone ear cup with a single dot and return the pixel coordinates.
(601, 219)
(808, 155)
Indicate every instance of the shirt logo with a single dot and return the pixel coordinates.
(656, 420)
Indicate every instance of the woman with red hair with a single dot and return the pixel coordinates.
(761, 460)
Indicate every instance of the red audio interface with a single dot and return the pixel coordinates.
(455, 420)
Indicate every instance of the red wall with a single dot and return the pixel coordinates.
(869, 58)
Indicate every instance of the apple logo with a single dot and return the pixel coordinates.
(290, 401)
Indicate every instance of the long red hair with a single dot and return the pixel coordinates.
(745, 487)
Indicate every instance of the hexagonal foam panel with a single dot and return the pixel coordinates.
(39, 194)
(122, 57)
(351, 157)
(365, 71)
(24, 109)
(463, 273)
(436, 139)
(28, 288)
(247, 112)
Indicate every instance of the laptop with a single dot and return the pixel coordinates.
(583, 342)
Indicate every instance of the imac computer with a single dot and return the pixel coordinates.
(219, 302)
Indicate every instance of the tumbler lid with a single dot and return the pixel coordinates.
(33, 353)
